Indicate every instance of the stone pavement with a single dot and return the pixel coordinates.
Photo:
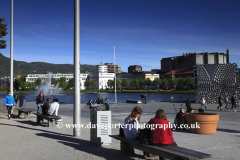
(25, 139)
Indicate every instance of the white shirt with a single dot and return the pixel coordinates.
(131, 128)
(53, 110)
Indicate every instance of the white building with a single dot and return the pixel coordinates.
(102, 68)
(101, 79)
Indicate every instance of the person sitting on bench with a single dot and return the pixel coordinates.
(53, 110)
(46, 106)
(131, 124)
(161, 133)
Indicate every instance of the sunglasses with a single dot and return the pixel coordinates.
(138, 113)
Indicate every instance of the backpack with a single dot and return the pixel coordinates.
(144, 136)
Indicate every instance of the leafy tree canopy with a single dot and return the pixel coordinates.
(3, 32)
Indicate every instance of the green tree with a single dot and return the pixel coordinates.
(124, 83)
(87, 83)
(93, 84)
(148, 82)
(54, 81)
(70, 83)
(175, 82)
(141, 83)
(23, 85)
(3, 32)
(63, 83)
(171, 82)
(189, 81)
(134, 83)
(164, 82)
(110, 83)
(157, 82)
(180, 80)
(38, 82)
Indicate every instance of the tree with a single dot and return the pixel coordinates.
(54, 81)
(117, 83)
(3, 32)
(175, 82)
(180, 80)
(148, 82)
(23, 85)
(171, 82)
(63, 83)
(110, 83)
(141, 83)
(93, 84)
(124, 83)
(87, 83)
(189, 81)
(157, 82)
(164, 82)
(134, 83)
(70, 83)
(38, 82)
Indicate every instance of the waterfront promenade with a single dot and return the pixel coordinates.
(25, 139)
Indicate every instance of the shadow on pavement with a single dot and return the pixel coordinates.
(227, 130)
(78, 144)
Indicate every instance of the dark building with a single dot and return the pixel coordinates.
(187, 61)
(135, 68)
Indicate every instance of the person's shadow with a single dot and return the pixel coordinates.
(78, 144)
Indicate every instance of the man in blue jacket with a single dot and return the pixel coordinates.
(9, 102)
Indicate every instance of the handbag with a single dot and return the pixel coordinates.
(121, 132)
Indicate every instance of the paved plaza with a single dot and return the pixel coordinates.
(25, 139)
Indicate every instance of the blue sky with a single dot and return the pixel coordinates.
(143, 31)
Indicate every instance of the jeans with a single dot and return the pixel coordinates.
(39, 107)
(21, 103)
(142, 99)
(9, 108)
(227, 105)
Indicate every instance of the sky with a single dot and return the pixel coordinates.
(143, 31)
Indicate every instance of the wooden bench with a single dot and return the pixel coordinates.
(50, 119)
(170, 152)
(24, 111)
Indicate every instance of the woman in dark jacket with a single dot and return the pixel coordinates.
(21, 97)
(40, 100)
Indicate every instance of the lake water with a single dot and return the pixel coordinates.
(121, 97)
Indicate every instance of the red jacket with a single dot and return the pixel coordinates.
(158, 134)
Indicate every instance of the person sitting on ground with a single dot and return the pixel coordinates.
(201, 111)
(46, 106)
(101, 100)
(106, 101)
(160, 136)
(131, 124)
(95, 101)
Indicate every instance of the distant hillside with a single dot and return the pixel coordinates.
(23, 68)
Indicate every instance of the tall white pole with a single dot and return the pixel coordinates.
(77, 95)
(115, 76)
(11, 51)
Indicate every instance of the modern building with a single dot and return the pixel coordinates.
(134, 68)
(102, 68)
(179, 73)
(110, 68)
(188, 60)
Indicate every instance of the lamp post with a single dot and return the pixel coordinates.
(11, 51)
(77, 95)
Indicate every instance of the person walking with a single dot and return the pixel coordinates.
(142, 97)
(40, 100)
(234, 103)
(227, 99)
(22, 98)
(220, 101)
(172, 99)
(16, 98)
(180, 99)
(145, 98)
(203, 102)
(188, 105)
(8, 103)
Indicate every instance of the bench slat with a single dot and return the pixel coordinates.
(164, 151)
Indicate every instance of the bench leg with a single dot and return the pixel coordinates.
(51, 123)
(126, 149)
(19, 113)
(39, 119)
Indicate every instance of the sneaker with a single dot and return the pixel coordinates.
(59, 120)
(235, 111)
(150, 155)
